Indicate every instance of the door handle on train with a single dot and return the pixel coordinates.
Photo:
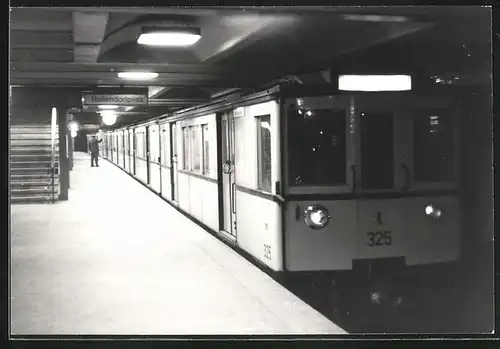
(407, 173)
(233, 189)
(353, 171)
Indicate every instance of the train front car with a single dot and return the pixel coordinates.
(371, 186)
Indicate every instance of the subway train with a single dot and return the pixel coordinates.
(311, 183)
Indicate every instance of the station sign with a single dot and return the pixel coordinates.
(119, 97)
(113, 99)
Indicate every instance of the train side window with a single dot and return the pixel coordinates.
(264, 152)
(195, 150)
(316, 146)
(206, 147)
(186, 149)
(433, 147)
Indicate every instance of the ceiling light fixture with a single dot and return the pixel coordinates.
(374, 83)
(137, 75)
(177, 37)
(108, 106)
(375, 18)
(108, 117)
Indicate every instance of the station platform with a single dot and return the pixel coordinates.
(117, 260)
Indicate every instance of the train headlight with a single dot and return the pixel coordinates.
(316, 216)
(433, 211)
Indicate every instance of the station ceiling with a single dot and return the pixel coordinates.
(86, 47)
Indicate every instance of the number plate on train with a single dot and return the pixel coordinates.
(379, 238)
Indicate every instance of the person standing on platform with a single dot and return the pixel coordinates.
(94, 151)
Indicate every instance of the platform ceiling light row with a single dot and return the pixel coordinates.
(169, 37)
(137, 75)
(375, 83)
(162, 37)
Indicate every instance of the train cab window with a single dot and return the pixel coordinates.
(185, 148)
(377, 150)
(195, 148)
(433, 147)
(206, 148)
(264, 152)
(316, 146)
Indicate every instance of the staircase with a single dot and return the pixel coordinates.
(30, 164)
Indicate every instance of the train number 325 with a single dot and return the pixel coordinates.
(379, 238)
(267, 252)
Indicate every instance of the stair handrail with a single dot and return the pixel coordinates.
(53, 126)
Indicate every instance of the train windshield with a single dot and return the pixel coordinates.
(433, 147)
(316, 146)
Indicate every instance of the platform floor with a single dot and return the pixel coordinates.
(117, 260)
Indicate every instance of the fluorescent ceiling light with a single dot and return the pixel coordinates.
(137, 75)
(165, 37)
(107, 112)
(374, 82)
(375, 18)
(108, 106)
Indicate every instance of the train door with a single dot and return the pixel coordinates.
(159, 157)
(113, 145)
(228, 174)
(148, 162)
(154, 157)
(383, 157)
(118, 147)
(175, 167)
(124, 149)
(132, 150)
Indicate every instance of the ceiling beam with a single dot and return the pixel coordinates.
(46, 40)
(88, 32)
(154, 91)
(110, 67)
(93, 82)
(176, 101)
(34, 55)
(197, 11)
(43, 75)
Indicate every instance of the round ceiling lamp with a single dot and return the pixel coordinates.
(108, 118)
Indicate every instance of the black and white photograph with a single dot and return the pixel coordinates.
(272, 172)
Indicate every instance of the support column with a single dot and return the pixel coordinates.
(62, 124)
(71, 143)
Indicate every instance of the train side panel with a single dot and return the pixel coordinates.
(258, 212)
